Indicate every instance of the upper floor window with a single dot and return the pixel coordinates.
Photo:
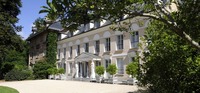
(107, 44)
(70, 51)
(64, 53)
(86, 47)
(96, 24)
(97, 46)
(120, 42)
(78, 50)
(135, 39)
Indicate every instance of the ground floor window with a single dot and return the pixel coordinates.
(97, 63)
(120, 65)
(107, 62)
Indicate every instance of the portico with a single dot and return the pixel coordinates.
(85, 65)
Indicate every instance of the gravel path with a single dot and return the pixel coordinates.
(58, 86)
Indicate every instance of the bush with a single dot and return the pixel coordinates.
(18, 75)
(61, 70)
(40, 70)
(99, 70)
(132, 69)
(112, 69)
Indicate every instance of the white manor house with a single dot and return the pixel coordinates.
(95, 44)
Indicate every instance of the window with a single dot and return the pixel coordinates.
(98, 63)
(78, 50)
(134, 40)
(120, 66)
(86, 47)
(107, 44)
(107, 63)
(120, 42)
(97, 49)
(96, 24)
(58, 53)
(64, 53)
(70, 52)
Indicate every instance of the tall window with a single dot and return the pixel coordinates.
(58, 53)
(64, 53)
(97, 44)
(70, 51)
(78, 50)
(120, 66)
(107, 63)
(120, 42)
(86, 47)
(107, 44)
(134, 39)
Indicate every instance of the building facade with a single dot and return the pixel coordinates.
(37, 43)
(96, 44)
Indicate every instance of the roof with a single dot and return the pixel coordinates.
(55, 26)
(85, 56)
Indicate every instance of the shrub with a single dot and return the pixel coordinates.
(132, 69)
(112, 69)
(99, 70)
(18, 75)
(61, 70)
(40, 70)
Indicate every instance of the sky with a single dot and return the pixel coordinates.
(29, 13)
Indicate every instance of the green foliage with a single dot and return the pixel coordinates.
(40, 70)
(51, 48)
(14, 59)
(61, 71)
(112, 69)
(171, 66)
(17, 75)
(40, 24)
(99, 70)
(4, 89)
(52, 71)
(9, 40)
(132, 69)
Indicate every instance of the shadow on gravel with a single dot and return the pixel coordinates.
(140, 91)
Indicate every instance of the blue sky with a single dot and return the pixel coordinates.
(29, 13)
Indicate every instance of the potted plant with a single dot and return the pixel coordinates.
(112, 69)
(53, 71)
(61, 72)
(132, 70)
(100, 71)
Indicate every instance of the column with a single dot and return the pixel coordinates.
(81, 70)
(87, 71)
(92, 77)
(76, 65)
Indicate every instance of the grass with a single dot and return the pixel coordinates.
(4, 89)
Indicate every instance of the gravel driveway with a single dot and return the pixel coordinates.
(59, 86)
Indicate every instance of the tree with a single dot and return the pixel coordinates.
(171, 66)
(99, 70)
(39, 24)
(112, 69)
(9, 10)
(183, 21)
(133, 68)
(40, 70)
(51, 48)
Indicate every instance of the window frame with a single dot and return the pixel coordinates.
(120, 42)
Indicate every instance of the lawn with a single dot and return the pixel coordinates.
(7, 90)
